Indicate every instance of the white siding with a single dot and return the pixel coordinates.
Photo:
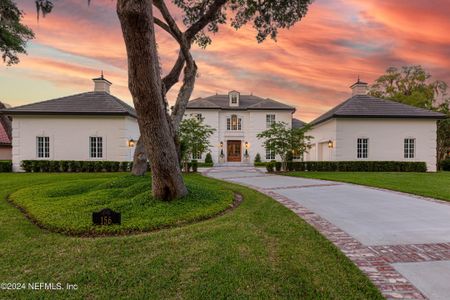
(322, 134)
(253, 122)
(386, 137)
(69, 137)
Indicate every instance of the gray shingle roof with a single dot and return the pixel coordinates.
(366, 106)
(90, 103)
(296, 123)
(246, 102)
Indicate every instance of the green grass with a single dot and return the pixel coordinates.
(435, 185)
(260, 250)
(68, 206)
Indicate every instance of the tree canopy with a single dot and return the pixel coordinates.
(13, 34)
(283, 140)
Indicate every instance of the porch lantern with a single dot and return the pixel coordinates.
(330, 144)
(131, 143)
(246, 145)
(221, 145)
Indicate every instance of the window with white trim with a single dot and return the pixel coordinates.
(234, 99)
(43, 146)
(95, 147)
(270, 154)
(196, 155)
(234, 123)
(270, 119)
(362, 148)
(409, 147)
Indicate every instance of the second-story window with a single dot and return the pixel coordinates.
(234, 123)
(270, 119)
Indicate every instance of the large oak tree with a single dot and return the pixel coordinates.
(148, 88)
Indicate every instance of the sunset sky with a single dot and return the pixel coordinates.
(311, 66)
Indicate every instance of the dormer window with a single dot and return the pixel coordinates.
(233, 98)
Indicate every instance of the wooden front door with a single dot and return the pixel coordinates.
(233, 150)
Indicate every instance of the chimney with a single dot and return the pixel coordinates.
(359, 88)
(101, 84)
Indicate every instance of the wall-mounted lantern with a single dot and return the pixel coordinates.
(330, 144)
(221, 145)
(131, 143)
(246, 145)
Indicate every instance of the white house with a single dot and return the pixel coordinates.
(237, 119)
(88, 126)
(368, 128)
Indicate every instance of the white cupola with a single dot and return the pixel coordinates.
(359, 88)
(233, 98)
(101, 84)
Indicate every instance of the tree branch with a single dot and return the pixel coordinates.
(198, 26)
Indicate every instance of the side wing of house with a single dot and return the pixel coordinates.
(72, 138)
(387, 140)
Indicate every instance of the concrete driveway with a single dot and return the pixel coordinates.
(402, 242)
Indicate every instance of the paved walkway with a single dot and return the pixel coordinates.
(401, 242)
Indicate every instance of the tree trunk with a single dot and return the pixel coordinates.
(144, 81)
(139, 159)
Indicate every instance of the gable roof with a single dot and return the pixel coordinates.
(4, 138)
(246, 102)
(296, 123)
(370, 107)
(90, 103)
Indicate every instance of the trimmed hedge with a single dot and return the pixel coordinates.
(445, 165)
(260, 164)
(354, 166)
(75, 166)
(5, 166)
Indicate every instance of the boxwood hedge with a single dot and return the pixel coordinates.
(5, 166)
(353, 166)
(74, 166)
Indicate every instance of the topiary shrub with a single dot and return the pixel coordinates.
(257, 158)
(445, 165)
(115, 166)
(64, 165)
(124, 166)
(278, 165)
(270, 167)
(5, 166)
(194, 164)
(26, 165)
(208, 158)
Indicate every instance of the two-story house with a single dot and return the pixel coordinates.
(237, 119)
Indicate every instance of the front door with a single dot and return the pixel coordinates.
(233, 150)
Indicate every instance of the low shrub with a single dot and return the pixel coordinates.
(208, 159)
(445, 165)
(257, 158)
(260, 164)
(73, 166)
(5, 166)
(205, 165)
(278, 166)
(194, 164)
(359, 166)
(270, 167)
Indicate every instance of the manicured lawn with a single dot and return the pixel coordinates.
(260, 250)
(435, 185)
(67, 206)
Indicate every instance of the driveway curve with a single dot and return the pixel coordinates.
(398, 240)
